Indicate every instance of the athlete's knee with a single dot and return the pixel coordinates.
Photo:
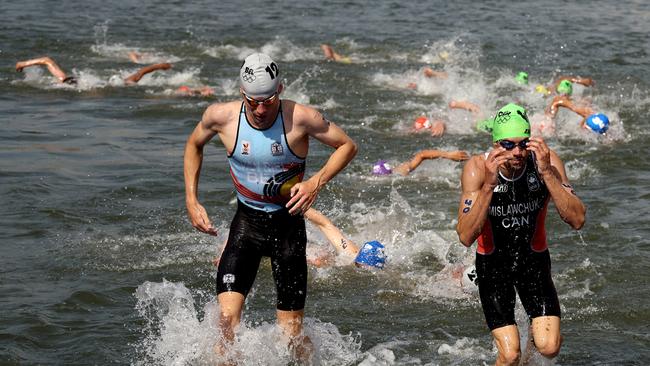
(549, 346)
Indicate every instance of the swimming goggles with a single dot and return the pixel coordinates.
(509, 145)
(254, 103)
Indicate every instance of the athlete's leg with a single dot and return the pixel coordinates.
(539, 298)
(236, 273)
(230, 308)
(498, 296)
(546, 335)
(507, 340)
(289, 264)
(299, 344)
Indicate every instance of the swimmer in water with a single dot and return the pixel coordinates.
(371, 254)
(436, 127)
(52, 67)
(483, 124)
(58, 73)
(571, 79)
(428, 73)
(381, 167)
(203, 91)
(330, 54)
(504, 202)
(591, 120)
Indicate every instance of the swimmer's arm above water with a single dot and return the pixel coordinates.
(134, 78)
(332, 233)
(46, 61)
(409, 166)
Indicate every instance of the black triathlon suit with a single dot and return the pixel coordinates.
(512, 254)
(255, 234)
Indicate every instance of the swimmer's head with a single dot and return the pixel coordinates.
(510, 121)
(542, 90)
(468, 280)
(258, 76)
(381, 167)
(598, 123)
(70, 80)
(485, 125)
(565, 88)
(421, 123)
(522, 78)
(184, 89)
(371, 254)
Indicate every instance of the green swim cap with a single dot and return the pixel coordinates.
(522, 78)
(510, 121)
(565, 87)
(485, 125)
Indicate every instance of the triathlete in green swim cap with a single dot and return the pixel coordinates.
(504, 201)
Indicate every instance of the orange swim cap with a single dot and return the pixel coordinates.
(184, 88)
(421, 122)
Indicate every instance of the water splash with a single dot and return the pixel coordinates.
(175, 334)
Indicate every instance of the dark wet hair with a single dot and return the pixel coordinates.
(71, 80)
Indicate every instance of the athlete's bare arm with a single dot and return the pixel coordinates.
(409, 166)
(331, 232)
(313, 124)
(134, 78)
(551, 169)
(563, 101)
(466, 105)
(46, 61)
(431, 73)
(217, 119)
(478, 181)
(557, 102)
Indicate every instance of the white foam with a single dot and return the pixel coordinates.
(176, 334)
(279, 49)
(465, 351)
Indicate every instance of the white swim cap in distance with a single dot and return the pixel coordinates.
(258, 76)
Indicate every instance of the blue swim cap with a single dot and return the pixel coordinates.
(598, 123)
(381, 167)
(372, 254)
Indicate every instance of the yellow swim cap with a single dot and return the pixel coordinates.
(542, 90)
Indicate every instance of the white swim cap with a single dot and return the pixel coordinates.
(258, 76)
(468, 281)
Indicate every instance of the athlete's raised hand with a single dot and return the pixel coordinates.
(542, 153)
(494, 160)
